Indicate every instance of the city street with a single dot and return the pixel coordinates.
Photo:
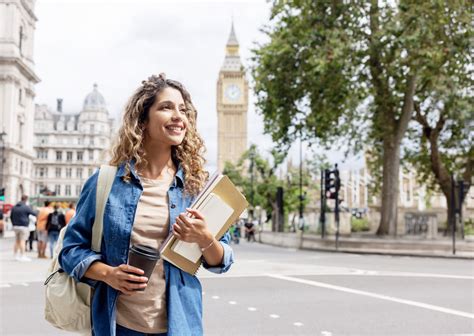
(277, 291)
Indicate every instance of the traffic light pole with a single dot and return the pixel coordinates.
(336, 208)
(322, 218)
(453, 213)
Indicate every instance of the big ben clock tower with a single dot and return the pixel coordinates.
(232, 105)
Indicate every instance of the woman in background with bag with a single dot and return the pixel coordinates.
(160, 171)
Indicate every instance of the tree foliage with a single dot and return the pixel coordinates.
(352, 72)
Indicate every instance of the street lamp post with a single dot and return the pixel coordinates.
(252, 162)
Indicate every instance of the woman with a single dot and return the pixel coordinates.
(159, 155)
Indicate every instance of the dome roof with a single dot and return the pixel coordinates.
(94, 100)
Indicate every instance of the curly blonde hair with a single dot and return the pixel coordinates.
(130, 140)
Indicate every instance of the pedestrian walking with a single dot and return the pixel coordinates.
(160, 171)
(20, 219)
(71, 211)
(32, 235)
(56, 221)
(41, 232)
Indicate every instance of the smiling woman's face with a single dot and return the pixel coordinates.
(167, 118)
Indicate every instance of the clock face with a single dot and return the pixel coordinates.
(232, 92)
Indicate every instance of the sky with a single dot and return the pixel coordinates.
(117, 44)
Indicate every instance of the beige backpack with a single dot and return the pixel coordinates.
(68, 302)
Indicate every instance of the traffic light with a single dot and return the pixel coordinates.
(332, 183)
(2, 194)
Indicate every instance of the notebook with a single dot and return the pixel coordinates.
(221, 204)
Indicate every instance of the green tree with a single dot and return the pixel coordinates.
(349, 71)
(262, 187)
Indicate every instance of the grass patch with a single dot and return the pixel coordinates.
(359, 224)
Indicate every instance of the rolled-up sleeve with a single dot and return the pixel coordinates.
(227, 260)
(76, 255)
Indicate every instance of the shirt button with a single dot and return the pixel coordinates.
(173, 206)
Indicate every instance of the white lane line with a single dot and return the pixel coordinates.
(274, 316)
(5, 285)
(377, 296)
(252, 309)
(215, 297)
(298, 324)
(232, 302)
(24, 284)
(326, 333)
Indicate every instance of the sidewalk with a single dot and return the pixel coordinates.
(417, 247)
(16, 272)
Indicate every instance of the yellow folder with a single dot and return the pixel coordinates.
(220, 202)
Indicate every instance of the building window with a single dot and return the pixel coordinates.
(59, 156)
(91, 171)
(68, 172)
(42, 154)
(41, 172)
(57, 189)
(79, 156)
(92, 129)
(68, 156)
(91, 141)
(91, 155)
(21, 167)
(79, 172)
(20, 96)
(58, 172)
(68, 190)
(78, 189)
(79, 141)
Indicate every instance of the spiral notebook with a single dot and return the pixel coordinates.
(221, 203)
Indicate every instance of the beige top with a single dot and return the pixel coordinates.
(146, 311)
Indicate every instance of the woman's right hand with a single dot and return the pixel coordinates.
(122, 279)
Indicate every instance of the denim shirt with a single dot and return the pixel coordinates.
(183, 290)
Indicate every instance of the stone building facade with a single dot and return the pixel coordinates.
(17, 92)
(69, 147)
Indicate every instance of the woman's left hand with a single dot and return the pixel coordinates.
(192, 230)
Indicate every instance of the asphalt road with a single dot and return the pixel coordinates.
(276, 291)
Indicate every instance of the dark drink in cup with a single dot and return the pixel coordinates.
(143, 257)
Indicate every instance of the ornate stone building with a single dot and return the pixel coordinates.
(69, 147)
(17, 91)
(232, 105)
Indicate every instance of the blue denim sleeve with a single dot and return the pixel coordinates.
(227, 260)
(76, 255)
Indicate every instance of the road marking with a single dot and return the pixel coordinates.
(24, 284)
(374, 295)
(252, 309)
(274, 316)
(298, 324)
(326, 333)
(5, 285)
(232, 302)
(215, 297)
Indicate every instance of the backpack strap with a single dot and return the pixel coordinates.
(104, 185)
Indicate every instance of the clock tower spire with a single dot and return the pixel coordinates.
(232, 105)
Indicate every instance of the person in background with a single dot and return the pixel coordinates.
(70, 212)
(56, 221)
(42, 233)
(19, 217)
(32, 236)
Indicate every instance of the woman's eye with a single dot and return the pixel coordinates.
(184, 111)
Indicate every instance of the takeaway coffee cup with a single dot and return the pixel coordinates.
(143, 257)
